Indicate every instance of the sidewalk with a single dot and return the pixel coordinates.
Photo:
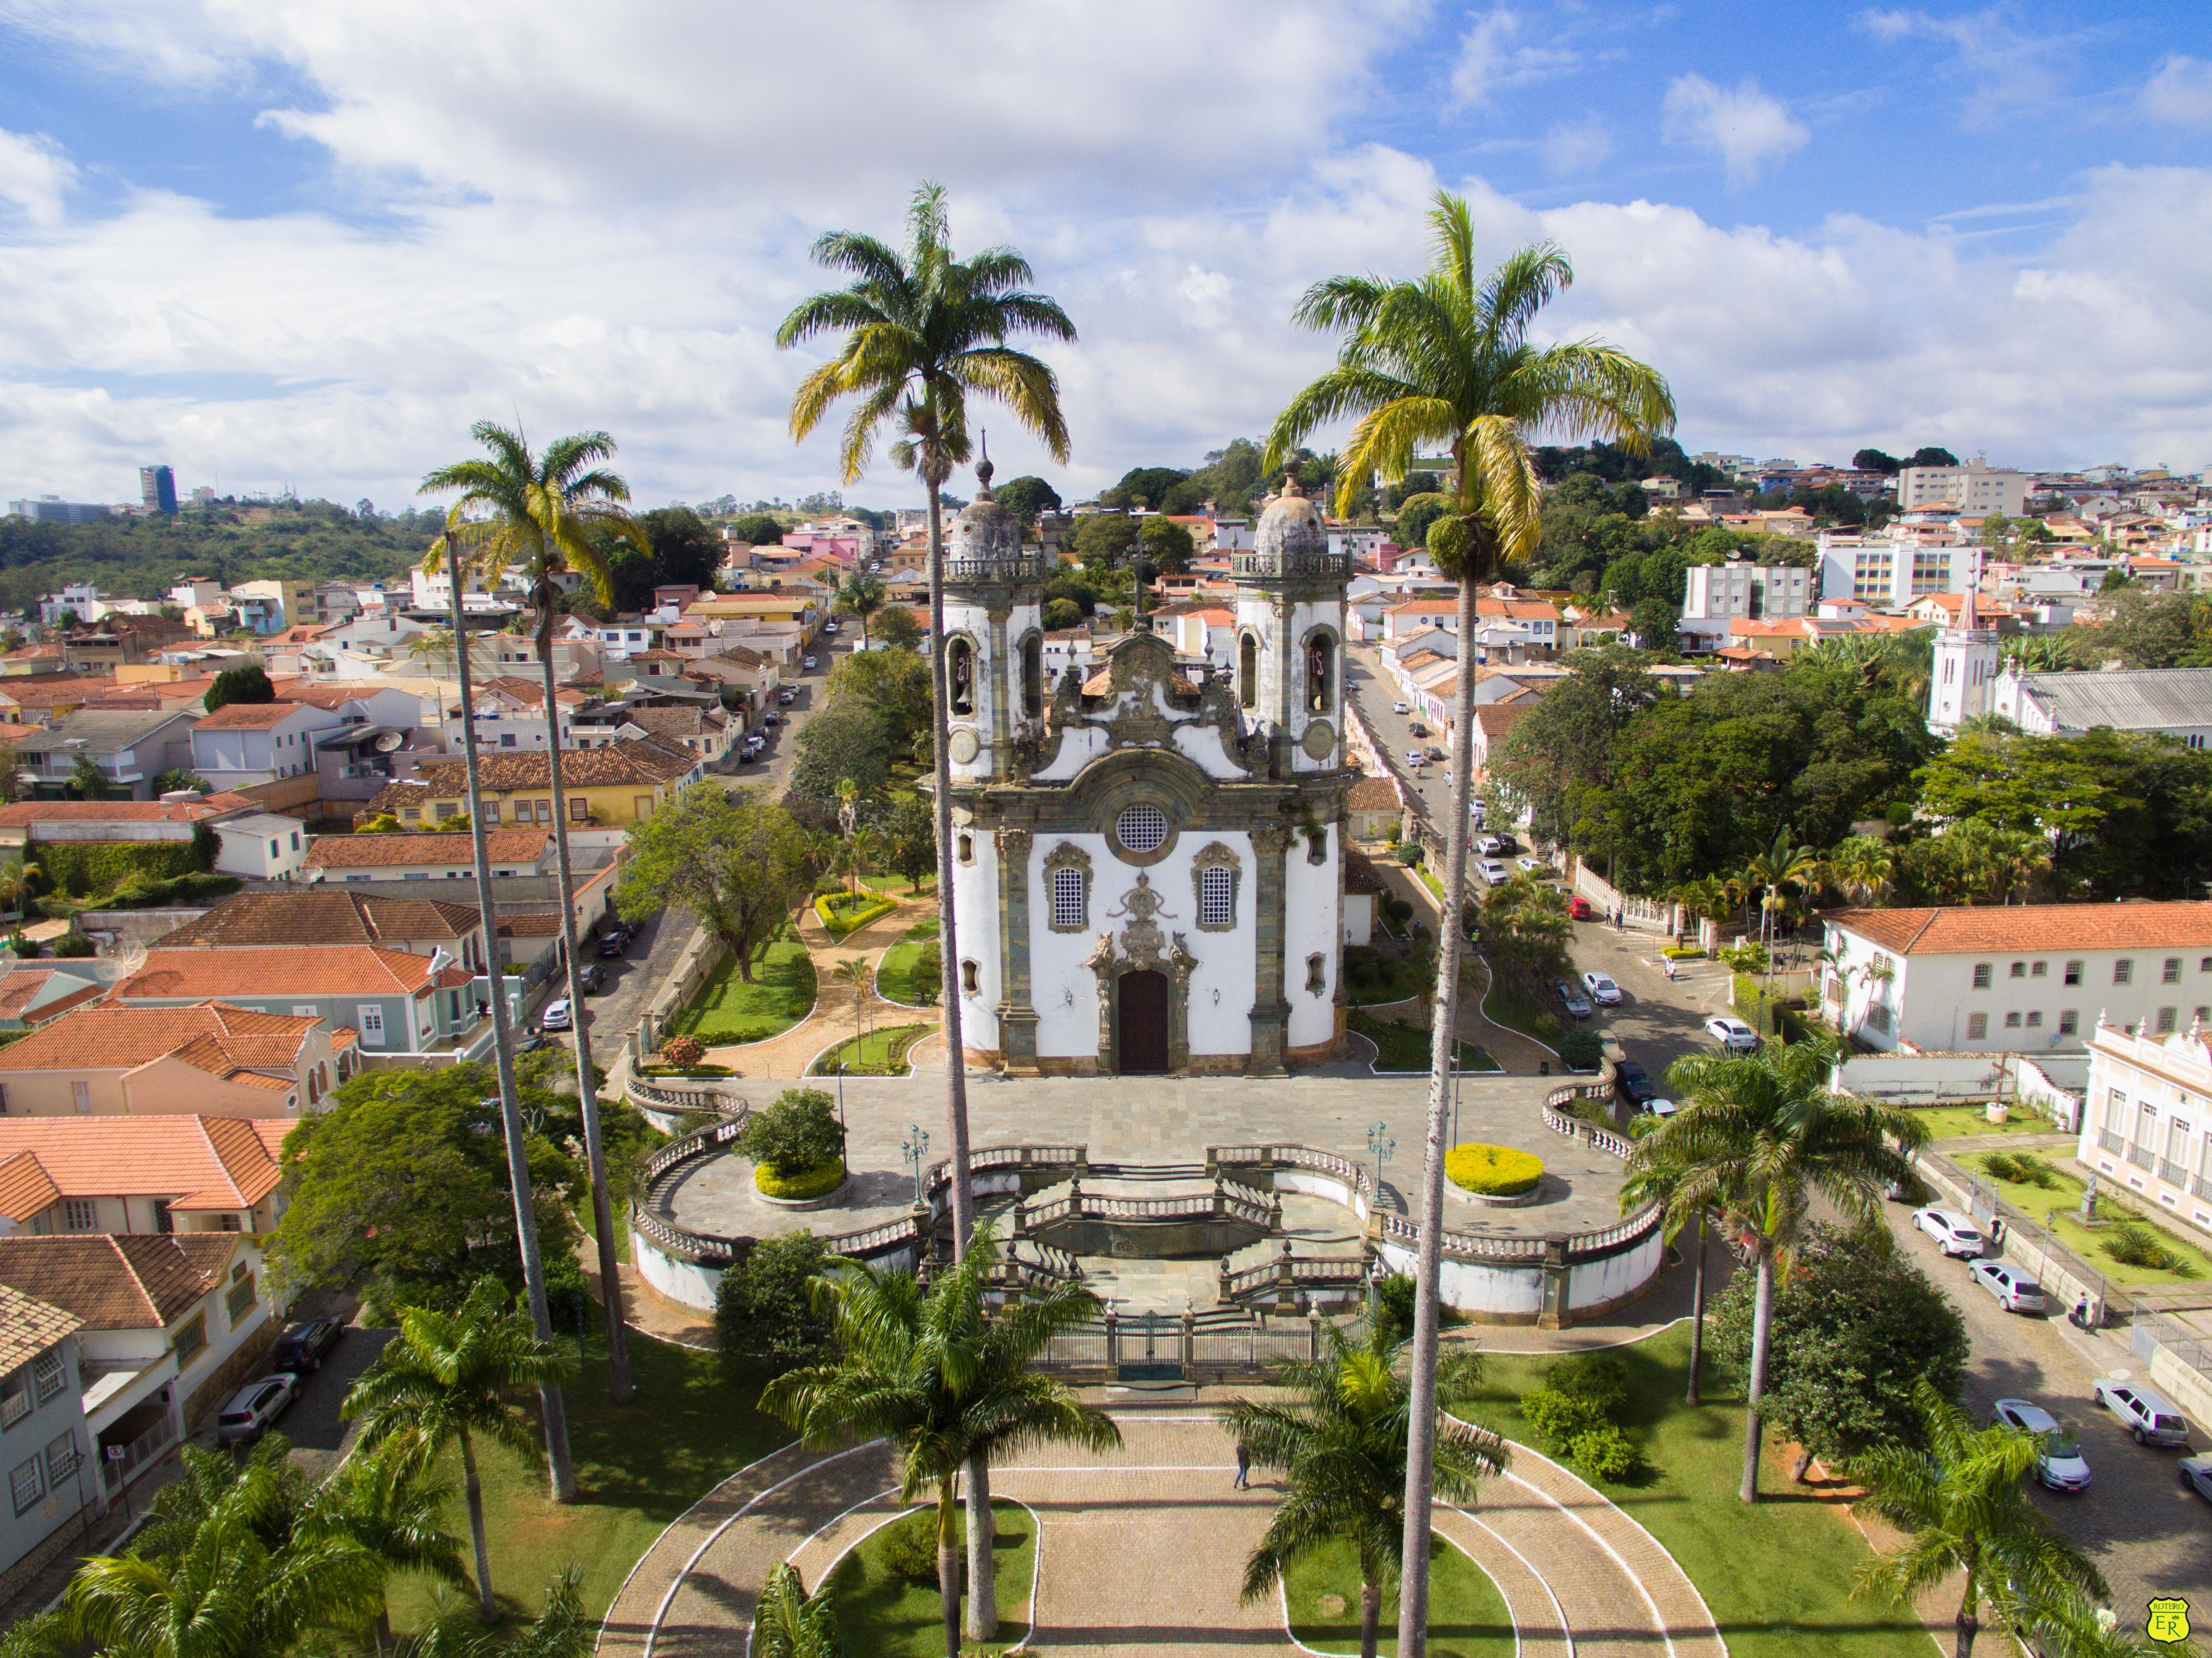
(833, 1019)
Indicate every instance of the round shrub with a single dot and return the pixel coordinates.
(1604, 1452)
(1494, 1171)
(910, 1547)
(799, 1132)
(1581, 1050)
(819, 1180)
(683, 1051)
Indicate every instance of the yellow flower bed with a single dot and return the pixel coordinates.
(1494, 1171)
(825, 1176)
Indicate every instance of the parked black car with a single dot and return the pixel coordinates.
(593, 977)
(1633, 1083)
(301, 1347)
(615, 940)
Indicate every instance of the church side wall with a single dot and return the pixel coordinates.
(1064, 991)
(1312, 926)
(975, 911)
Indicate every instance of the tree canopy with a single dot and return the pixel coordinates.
(249, 684)
(735, 862)
(1102, 540)
(1027, 496)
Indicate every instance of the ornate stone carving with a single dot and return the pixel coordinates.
(1142, 942)
(1013, 844)
(1268, 840)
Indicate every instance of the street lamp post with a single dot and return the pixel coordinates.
(1380, 1142)
(916, 1147)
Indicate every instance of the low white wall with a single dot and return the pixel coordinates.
(1593, 1282)
(1317, 1185)
(1903, 1078)
(1490, 1288)
(683, 1281)
(2186, 1387)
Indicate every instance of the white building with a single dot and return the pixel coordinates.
(1147, 869)
(243, 744)
(2147, 1120)
(261, 846)
(2015, 978)
(1890, 572)
(1716, 594)
(1975, 490)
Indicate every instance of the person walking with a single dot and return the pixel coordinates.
(1243, 1466)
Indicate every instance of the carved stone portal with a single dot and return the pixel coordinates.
(1141, 947)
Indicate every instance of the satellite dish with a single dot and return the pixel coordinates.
(388, 742)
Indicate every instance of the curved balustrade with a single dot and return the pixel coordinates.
(654, 1096)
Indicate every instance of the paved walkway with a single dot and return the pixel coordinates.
(836, 1007)
(1515, 1052)
(1143, 1549)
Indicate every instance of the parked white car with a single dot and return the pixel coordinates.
(1493, 871)
(253, 1407)
(806, 661)
(1661, 1107)
(1489, 845)
(2146, 1414)
(2015, 1292)
(1731, 1032)
(2060, 1467)
(1602, 989)
(1400, 708)
(1954, 1233)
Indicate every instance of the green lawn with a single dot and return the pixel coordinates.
(1467, 1617)
(887, 1617)
(728, 1010)
(895, 979)
(1375, 978)
(637, 1468)
(1402, 1048)
(2058, 1207)
(1512, 1006)
(1776, 1575)
(1955, 1121)
(881, 1052)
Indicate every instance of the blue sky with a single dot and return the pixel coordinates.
(303, 241)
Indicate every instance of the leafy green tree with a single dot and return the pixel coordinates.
(1929, 455)
(897, 629)
(1759, 1135)
(921, 332)
(1104, 540)
(848, 741)
(1526, 923)
(1142, 486)
(735, 862)
(87, 781)
(1564, 746)
(894, 684)
(551, 515)
(2148, 629)
(789, 1623)
(250, 684)
(1415, 516)
(1446, 359)
(1873, 460)
(19, 882)
(911, 829)
(1061, 614)
(794, 1134)
(445, 1378)
(1962, 1500)
(764, 1304)
(1027, 497)
(949, 1385)
(1339, 1439)
(686, 551)
(1168, 545)
(860, 595)
(758, 530)
(1856, 1325)
(401, 1188)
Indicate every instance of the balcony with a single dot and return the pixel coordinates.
(2109, 1140)
(2140, 1156)
(2173, 1172)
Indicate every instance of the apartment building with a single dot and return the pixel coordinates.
(1715, 595)
(2148, 1118)
(1974, 491)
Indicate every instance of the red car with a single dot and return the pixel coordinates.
(1580, 910)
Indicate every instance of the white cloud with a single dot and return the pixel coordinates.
(1571, 149)
(35, 176)
(1742, 125)
(2179, 92)
(2011, 73)
(1488, 62)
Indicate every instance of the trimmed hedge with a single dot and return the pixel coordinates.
(82, 868)
(822, 1179)
(686, 1071)
(843, 912)
(1494, 1171)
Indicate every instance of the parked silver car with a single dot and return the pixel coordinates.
(1571, 998)
(253, 1407)
(2146, 1415)
(2015, 1292)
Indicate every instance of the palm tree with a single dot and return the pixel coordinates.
(948, 1384)
(1772, 874)
(562, 1631)
(560, 1468)
(227, 1595)
(1761, 1134)
(389, 1501)
(789, 1623)
(1963, 1503)
(18, 884)
(445, 1378)
(1342, 1442)
(1657, 1181)
(545, 512)
(861, 595)
(858, 977)
(1862, 866)
(1447, 359)
(921, 332)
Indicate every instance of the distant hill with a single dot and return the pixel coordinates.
(144, 558)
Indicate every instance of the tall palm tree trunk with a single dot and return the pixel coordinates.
(1762, 1332)
(1370, 1619)
(552, 1407)
(487, 1608)
(1421, 1443)
(1697, 1316)
(982, 1603)
(595, 1154)
(948, 1570)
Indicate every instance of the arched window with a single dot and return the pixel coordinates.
(1033, 677)
(1248, 672)
(1320, 674)
(960, 669)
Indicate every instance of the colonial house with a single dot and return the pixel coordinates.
(178, 1173)
(424, 857)
(31, 996)
(2148, 1117)
(43, 1443)
(396, 1002)
(113, 1059)
(621, 782)
(323, 915)
(1373, 808)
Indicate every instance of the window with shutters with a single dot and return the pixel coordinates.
(1978, 1026)
(2124, 973)
(24, 1485)
(15, 1395)
(191, 1340)
(1217, 897)
(61, 1458)
(79, 1214)
(1981, 975)
(2167, 1017)
(46, 1374)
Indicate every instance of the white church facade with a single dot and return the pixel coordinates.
(1148, 861)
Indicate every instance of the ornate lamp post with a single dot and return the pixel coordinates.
(916, 1147)
(1382, 1145)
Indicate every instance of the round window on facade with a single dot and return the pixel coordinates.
(1142, 828)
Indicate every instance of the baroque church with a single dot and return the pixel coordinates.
(1148, 863)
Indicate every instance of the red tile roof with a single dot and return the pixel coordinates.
(23, 983)
(118, 1281)
(1978, 929)
(247, 716)
(434, 847)
(221, 1039)
(201, 972)
(312, 917)
(32, 813)
(199, 1163)
(28, 1326)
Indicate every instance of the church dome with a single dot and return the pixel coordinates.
(985, 533)
(1292, 535)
